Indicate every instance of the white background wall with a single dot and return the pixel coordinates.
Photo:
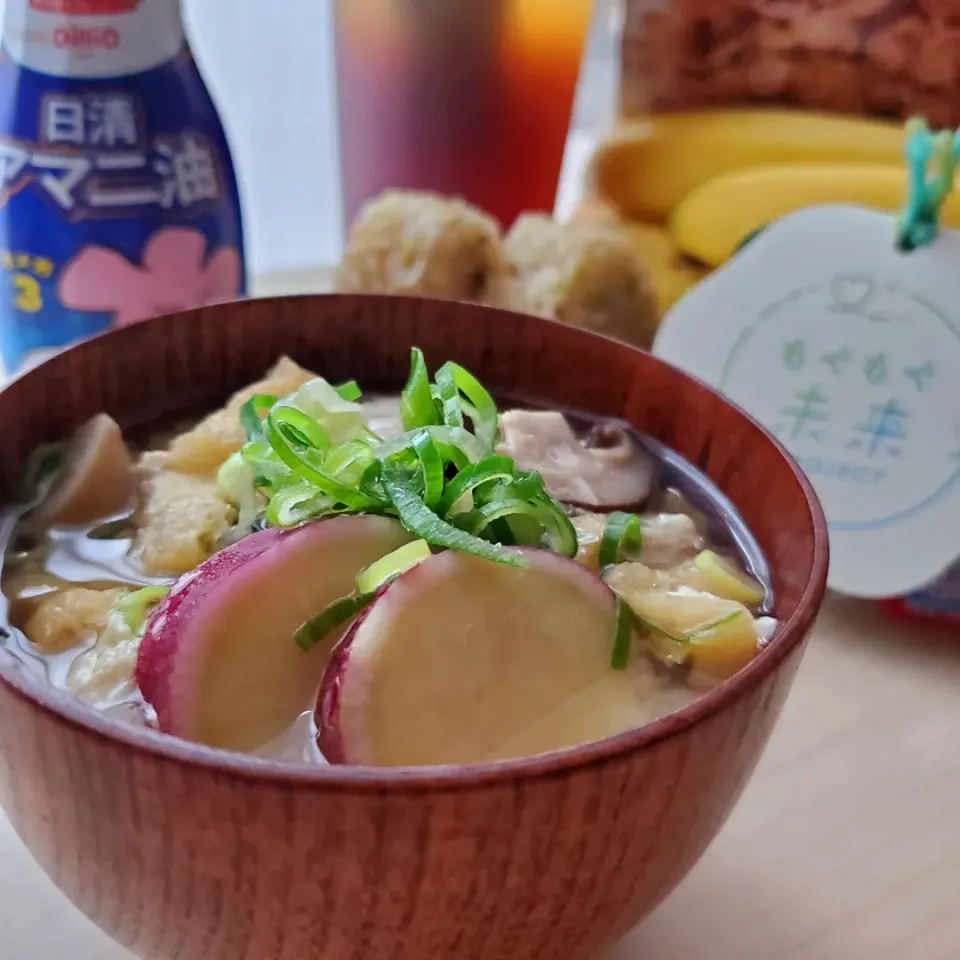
(269, 65)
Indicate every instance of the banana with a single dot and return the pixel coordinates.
(711, 222)
(670, 273)
(648, 166)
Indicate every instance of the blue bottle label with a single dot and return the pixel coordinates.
(118, 199)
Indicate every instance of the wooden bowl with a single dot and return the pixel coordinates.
(184, 853)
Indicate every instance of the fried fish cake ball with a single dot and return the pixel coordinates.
(586, 274)
(423, 244)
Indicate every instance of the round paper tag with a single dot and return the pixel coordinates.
(849, 352)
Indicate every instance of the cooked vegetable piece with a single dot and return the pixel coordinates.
(180, 521)
(678, 612)
(218, 662)
(719, 650)
(97, 478)
(664, 540)
(725, 580)
(103, 674)
(715, 636)
(460, 660)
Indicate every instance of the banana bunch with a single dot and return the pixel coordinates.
(702, 183)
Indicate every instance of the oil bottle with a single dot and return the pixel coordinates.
(118, 198)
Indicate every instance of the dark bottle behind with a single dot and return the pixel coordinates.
(118, 199)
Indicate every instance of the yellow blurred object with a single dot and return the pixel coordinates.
(725, 579)
(649, 166)
(716, 218)
(671, 274)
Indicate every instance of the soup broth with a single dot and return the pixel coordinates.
(685, 583)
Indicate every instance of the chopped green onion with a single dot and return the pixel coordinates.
(237, 479)
(132, 607)
(527, 485)
(560, 530)
(473, 476)
(466, 447)
(654, 628)
(481, 408)
(449, 397)
(334, 615)
(422, 522)
(621, 533)
(483, 516)
(710, 627)
(349, 391)
(347, 462)
(299, 429)
(340, 419)
(417, 407)
(522, 530)
(251, 414)
(387, 568)
(297, 459)
(431, 467)
(622, 636)
(298, 503)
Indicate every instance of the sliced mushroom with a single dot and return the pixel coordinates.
(606, 470)
(97, 478)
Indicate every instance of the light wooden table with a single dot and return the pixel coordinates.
(846, 845)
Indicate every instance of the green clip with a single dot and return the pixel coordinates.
(931, 166)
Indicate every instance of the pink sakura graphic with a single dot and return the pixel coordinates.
(173, 276)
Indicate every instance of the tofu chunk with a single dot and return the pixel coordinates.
(180, 520)
(420, 243)
(69, 618)
(585, 274)
(202, 449)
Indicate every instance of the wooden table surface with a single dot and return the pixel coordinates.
(846, 845)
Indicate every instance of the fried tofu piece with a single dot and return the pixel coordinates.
(586, 274)
(422, 244)
(202, 449)
(67, 618)
(180, 520)
(671, 273)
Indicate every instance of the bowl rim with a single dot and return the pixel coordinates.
(61, 707)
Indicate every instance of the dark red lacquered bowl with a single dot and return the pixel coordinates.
(184, 853)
